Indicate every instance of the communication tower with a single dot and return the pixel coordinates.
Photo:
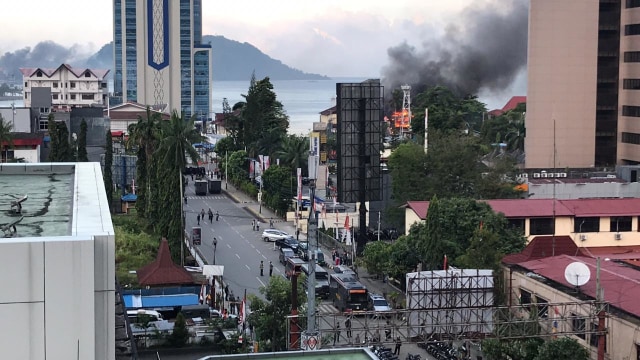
(406, 107)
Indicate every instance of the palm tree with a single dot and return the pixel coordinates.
(178, 137)
(293, 152)
(6, 137)
(144, 135)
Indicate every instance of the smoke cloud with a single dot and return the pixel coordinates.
(484, 49)
(46, 54)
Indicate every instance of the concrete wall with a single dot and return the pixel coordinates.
(584, 190)
(561, 86)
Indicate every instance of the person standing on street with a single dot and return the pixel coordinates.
(253, 224)
(270, 268)
(271, 223)
(217, 215)
(261, 268)
(202, 214)
(336, 335)
(198, 217)
(257, 226)
(396, 351)
(347, 325)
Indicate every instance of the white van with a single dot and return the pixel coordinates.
(136, 316)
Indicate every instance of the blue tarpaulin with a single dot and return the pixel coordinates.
(129, 197)
(159, 301)
(205, 145)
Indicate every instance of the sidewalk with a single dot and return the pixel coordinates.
(374, 285)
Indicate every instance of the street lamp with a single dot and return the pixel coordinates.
(215, 245)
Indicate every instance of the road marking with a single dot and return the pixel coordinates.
(238, 256)
(248, 268)
(253, 246)
(278, 270)
(229, 246)
(263, 256)
(260, 281)
(259, 253)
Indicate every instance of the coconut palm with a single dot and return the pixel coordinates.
(177, 139)
(6, 137)
(144, 135)
(293, 152)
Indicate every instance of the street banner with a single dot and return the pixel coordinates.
(196, 235)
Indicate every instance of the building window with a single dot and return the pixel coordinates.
(525, 297)
(632, 29)
(632, 56)
(541, 226)
(628, 110)
(43, 125)
(632, 3)
(586, 224)
(26, 84)
(26, 95)
(631, 84)
(54, 96)
(620, 223)
(631, 138)
(593, 338)
(578, 326)
(72, 84)
(516, 224)
(39, 73)
(543, 307)
(7, 154)
(73, 96)
(55, 84)
(87, 96)
(87, 74)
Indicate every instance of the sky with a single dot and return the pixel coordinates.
(337, 38)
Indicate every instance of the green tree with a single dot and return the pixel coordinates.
(238, 167)
(269, 316)
(276, 188)
(53, 135)
(225, 146)
(375, 257)
(407, 165)
(63, 151)
(82, 143)
(562, 349)
(180, 335)
(293, 152)
(178, 137)
(108, 163)
(522, 349)
(6, 137)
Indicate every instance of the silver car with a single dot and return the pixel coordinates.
(273, 235)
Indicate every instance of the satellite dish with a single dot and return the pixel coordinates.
(577, 273)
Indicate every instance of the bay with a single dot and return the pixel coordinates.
(302, 100)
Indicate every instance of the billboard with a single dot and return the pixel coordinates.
(196, 235)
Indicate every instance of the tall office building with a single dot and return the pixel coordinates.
(159, 55)
(583, 83)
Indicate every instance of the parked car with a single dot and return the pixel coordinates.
(303, 250)
(378, 303)
(273, 235)
(285, 254)
(343, 269)
(287, 242)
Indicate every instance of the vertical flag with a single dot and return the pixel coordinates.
(299, 177)
(347, 232)
(444, 266)
(243, 312)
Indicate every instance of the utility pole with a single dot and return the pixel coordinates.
(226, 167)
(378, 225)
(310, 337)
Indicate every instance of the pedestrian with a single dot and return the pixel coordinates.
(396, 351)
(198, 217)
(387, 331)
(336, 335)
(210, 215)
(253, 224)
(185, 199)
(270, 268)
(257, 226)
(271, 223)
(217, 215)
(261, 268)
(191, 177)
(358, 339)
(347, 325)
(202, 214)
(297, 234)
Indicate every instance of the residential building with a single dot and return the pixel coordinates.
(536, 280)
(65, 87)
(159, 56)
(123, 115)
(583, 80)
(58, 264)
(330, 117)
(589, 222)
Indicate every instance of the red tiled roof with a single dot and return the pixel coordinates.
(543, 246)
(329, 111)
(614, 252)
(621, 283)
(162, 271)
(117, 133)
(513, 102)
(98, 73)
(521, 208)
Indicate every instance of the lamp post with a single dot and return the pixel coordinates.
(215, 246)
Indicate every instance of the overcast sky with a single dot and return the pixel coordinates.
(330, 37)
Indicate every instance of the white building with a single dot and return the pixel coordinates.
(57, 272)
(69, 87)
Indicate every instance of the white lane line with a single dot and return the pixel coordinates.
(263, 256)
(278, 270)
(253, 246)
(259, 253)
(229, 246)
(238, 256)
(260, 281)
(248, 268)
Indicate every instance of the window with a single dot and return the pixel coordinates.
(26, 84)
(7, 154)
(630, 110)
(55, 84)
(631, 138)
(525, 297)
(631, 84)
(541, 226)
(54, 96)
(72, 84)
(620, 223)
(632, 3)
(39, 73)
(87, 74)
(586, 224)
(632, 56)
(516, 224)
(73, 96)
(543, 307)
(632, 29)
(593, 338)
(43, 124)
(578, 326)
(87, 96)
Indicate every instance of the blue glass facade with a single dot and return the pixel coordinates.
(201, 74)
(117, 43)
(185, 57)
(130, 44)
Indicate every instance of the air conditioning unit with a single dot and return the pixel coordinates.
(618, 236)
(558, 175)
(563, 175)
(536, 175)
(544, 174)
(525, 175)
(611, 176)
(583, 237)
(550, 175)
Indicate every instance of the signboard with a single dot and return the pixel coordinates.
(196, 235)
(309, 342)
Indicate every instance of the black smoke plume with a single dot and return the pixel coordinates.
(485, 48)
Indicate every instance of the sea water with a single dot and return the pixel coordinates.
(303, 100)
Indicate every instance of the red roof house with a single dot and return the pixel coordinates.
(163, 271)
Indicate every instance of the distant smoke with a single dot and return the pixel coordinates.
(485, 48)
(46, 54)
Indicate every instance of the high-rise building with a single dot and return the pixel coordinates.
(583, 81)
(159, 55)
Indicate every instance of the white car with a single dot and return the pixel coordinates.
(273, 235)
